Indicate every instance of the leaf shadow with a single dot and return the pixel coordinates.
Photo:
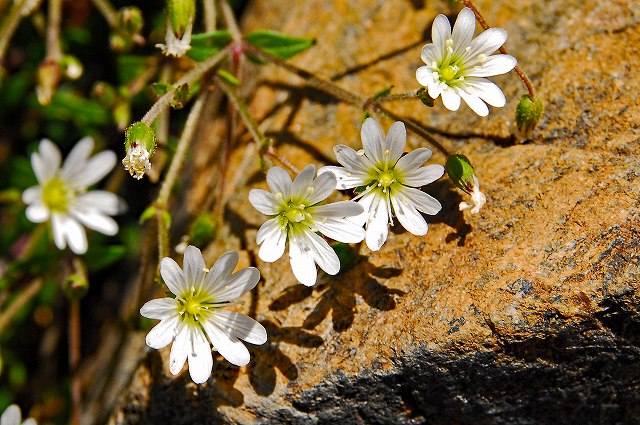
(269, 357)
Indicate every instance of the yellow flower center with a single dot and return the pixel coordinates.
(386, 178)
(195, 304)
(55, 195)
(448, 73)
(294, 213)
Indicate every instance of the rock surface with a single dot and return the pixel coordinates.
(527, 313)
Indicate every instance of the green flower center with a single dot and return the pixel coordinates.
(55, 195)
(386, 178)
(194, 305)
(449, 74)
(294, 213)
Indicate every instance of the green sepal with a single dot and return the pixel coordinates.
(182, 14)
(423, 95)
(140, 133)
(277, 44)
(461, 172)
(528, 113)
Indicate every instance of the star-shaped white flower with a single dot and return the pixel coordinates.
(13, 416)
(457, 64)
(389, 179)
(62, 197)
(296, 217)
(195, 316)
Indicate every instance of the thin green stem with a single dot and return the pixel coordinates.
(74, 360)
(10, 24)
(21, 300)
(230, 20)
(191, 76)
(399, 96)
(53, 30)
(108, 11)
(502, 50)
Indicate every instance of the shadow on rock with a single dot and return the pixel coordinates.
(266, 358)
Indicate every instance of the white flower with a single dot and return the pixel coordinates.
(136, 161)
(195, 313)
(176, 46)
(62, 197)
(390, 181)
(456, 64)
(477, 198)
(297, 217)
(13, 416)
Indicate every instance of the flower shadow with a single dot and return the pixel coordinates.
(339, 298)
(269, 357)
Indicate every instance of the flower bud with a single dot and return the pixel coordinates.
(528, 113)
(130, 20)
(140, 144)
(71, 67)
(75, 286)
(48, 79)
(423, 95)
(461, 172)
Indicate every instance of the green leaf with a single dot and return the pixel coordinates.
(280, 45)
(228, 77)
(100, 257)
(208, 44)
(382, 93)
(147, 214)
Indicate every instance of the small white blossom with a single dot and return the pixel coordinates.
(296, 217)
(457, 64)
(195, 316)
(477, 198)
(136, 161)
(62, 197)
(390, 181)
(13, 416)
(176, 46)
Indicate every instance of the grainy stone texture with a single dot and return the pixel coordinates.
(527, 313)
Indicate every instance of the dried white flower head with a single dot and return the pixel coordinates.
(477, 198)
(13, 416)
(195, 316)
(457, 64)
(176, 46)
(389, 179)
(62, 197)
(136, 160)
(296, 217)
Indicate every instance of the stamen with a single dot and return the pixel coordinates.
(360, 152)
(482, 58)
(279, 195)
(206, 270)
(310, 189)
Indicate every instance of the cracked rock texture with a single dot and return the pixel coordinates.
(527, 313)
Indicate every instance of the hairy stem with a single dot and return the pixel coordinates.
(108, 11)
(10, 24)
(21, 300)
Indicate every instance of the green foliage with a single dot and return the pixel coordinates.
(208, 44)
(280, 45)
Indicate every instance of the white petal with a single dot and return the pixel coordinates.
(162, 334)
(486, 90)
(485, 44)
(75, 162)
(413, 160)
(396, 141)
(200, 358)
(95, 169)
(428, 55)
(408, 216)
(97, 221)
(440, 32)
(237, 285)
(242, 326)
(173, 276)
(279, 181)
(302, 263)
(46, 162)
(338, 209)
(263, 201)
(373, 140)
(423, 202)
(303, 181)
(11, 415)
(160, 308)
(493, 65)
(221, 270)
(475, 103)
(463, 30)
(322, 253)
(30, 421)
(273, 238)
(229, 347)
(341, 230)
(57, 231)
(450, 99)
(351, 160)
(424, 75)
(346, 179)
(321, 188)
(106, 202)
(37, 213)
(194, 266)
(424, 175)
(377, 227)
(32, 194)
(436, 89)
(74, 234)
(180, 348)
